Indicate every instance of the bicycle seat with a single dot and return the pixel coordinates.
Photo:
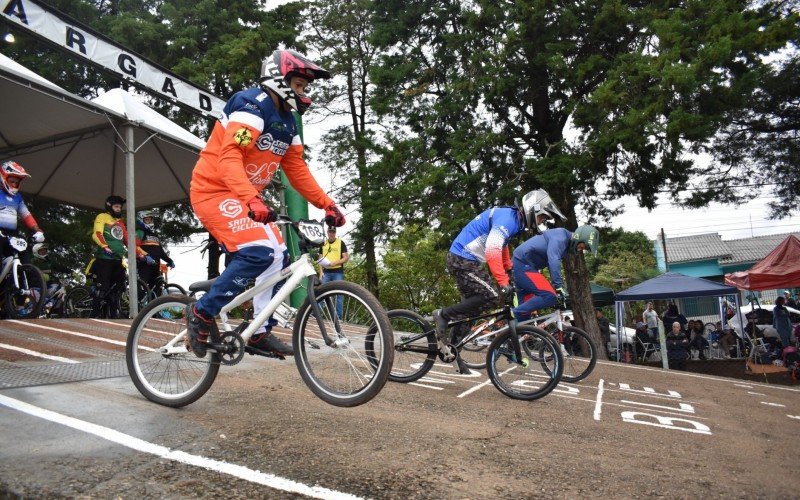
(201, 286)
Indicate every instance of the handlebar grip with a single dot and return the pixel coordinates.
(251, 214)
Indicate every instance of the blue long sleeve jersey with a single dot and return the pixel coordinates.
(485, 239)
(544, 250)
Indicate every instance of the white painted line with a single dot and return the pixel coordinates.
(598, 404)
(37, 354)
(744, 385)
(796, 417)
(678, 373)
(123, 325)
(127, 327)
(426, 386)
(756, 393)
(238, 471)
(68, 332)
(773, 404)
(483, 384)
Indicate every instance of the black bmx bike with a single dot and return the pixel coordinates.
(522, 362)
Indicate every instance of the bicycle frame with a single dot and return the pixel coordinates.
(295, 274)
(505, 313)
(14, 263)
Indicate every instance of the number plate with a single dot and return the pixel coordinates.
(17, 244)
(312, 231)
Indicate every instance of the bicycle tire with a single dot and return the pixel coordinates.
(544, 368)
(370, 369)
(577, 364)
(174, 289)
(405, 324)
(78, 303)
(153, 372)
(26, 301)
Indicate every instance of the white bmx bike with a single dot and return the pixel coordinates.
(344, 359)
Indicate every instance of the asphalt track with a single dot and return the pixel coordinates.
(72, 424)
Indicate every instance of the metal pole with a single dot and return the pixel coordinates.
(131, 220)
(664, 246)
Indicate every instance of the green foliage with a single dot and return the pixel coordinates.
(414, 274)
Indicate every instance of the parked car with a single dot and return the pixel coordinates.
(763, 318)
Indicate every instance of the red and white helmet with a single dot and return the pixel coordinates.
(12, 175)
(278, 69)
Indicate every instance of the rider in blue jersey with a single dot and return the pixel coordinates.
(13, 208)
(485, 240)
(546, 250)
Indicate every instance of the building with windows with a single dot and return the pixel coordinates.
(709, 256)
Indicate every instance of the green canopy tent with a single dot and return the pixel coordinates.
(601, 296)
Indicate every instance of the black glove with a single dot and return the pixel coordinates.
(562, 299)
(507, 293)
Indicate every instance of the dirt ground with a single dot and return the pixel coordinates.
(626, 431)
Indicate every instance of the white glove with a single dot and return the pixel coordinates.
(38, 237)
(324, 262)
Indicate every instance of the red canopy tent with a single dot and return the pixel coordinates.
(779, 269)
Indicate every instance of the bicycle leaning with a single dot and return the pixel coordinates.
(522, 361)
(331, 351)
(22, 286)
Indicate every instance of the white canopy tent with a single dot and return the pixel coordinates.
(75, 149)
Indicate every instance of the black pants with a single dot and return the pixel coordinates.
(476, 286)
(108, 273)
(149, 273)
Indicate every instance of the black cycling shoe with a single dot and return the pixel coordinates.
(265, 344)
(441, 325)
(197, 330)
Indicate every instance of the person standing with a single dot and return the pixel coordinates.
(671, 315)
(333, 256)
(781, 321)
(150, 242)
(650, 318)
(790, 302)
(110, 235)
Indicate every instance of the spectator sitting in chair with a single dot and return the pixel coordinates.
(726, 341)
(677, 347)
(642, 333)
(695, 334)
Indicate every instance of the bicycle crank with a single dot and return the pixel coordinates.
(230, 348)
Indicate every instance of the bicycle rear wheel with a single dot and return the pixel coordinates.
(533, 377)
(78, 303)
(579, 351)
(414, 351)
(356, 366)
(27, 300)
(171, 379)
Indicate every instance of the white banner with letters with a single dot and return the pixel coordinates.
(85, 43)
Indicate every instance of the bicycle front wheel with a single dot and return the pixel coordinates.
(532, 377)
(414, 346)
(167, 375)
(26, 300)
(355, 366)
(579, 351)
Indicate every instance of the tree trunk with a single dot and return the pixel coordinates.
(580, 293)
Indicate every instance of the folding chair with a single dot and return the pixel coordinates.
(648, 348)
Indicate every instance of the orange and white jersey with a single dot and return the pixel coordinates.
(246, 147)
